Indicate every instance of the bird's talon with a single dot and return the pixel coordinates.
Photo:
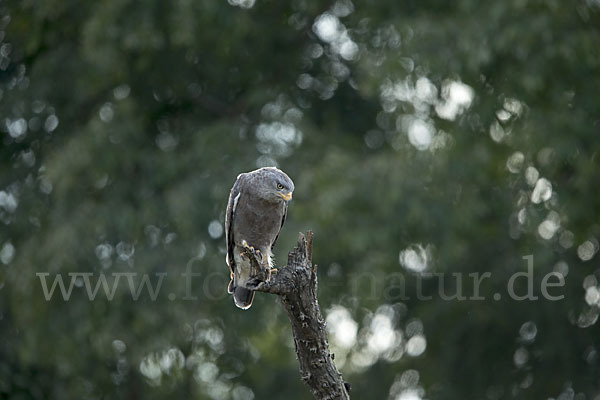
(253, 283)
(251, 248)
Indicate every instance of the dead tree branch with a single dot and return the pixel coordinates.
(296, 286)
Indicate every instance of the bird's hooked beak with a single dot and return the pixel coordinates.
(286, 197)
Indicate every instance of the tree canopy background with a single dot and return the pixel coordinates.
(423, 137)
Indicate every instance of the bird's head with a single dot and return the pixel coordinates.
(273, 184)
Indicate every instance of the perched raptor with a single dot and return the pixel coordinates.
(256, 212)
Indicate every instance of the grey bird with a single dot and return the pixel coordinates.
(256, 211)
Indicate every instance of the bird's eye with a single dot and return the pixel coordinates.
(279, 186)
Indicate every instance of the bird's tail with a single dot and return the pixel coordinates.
(243, 297)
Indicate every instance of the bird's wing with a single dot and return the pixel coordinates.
(285, 206)
(234, 196)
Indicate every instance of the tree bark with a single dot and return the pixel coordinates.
(296, 286)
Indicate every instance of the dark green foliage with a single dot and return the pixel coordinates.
(124, 124)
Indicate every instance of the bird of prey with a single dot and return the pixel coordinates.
(256, 212)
